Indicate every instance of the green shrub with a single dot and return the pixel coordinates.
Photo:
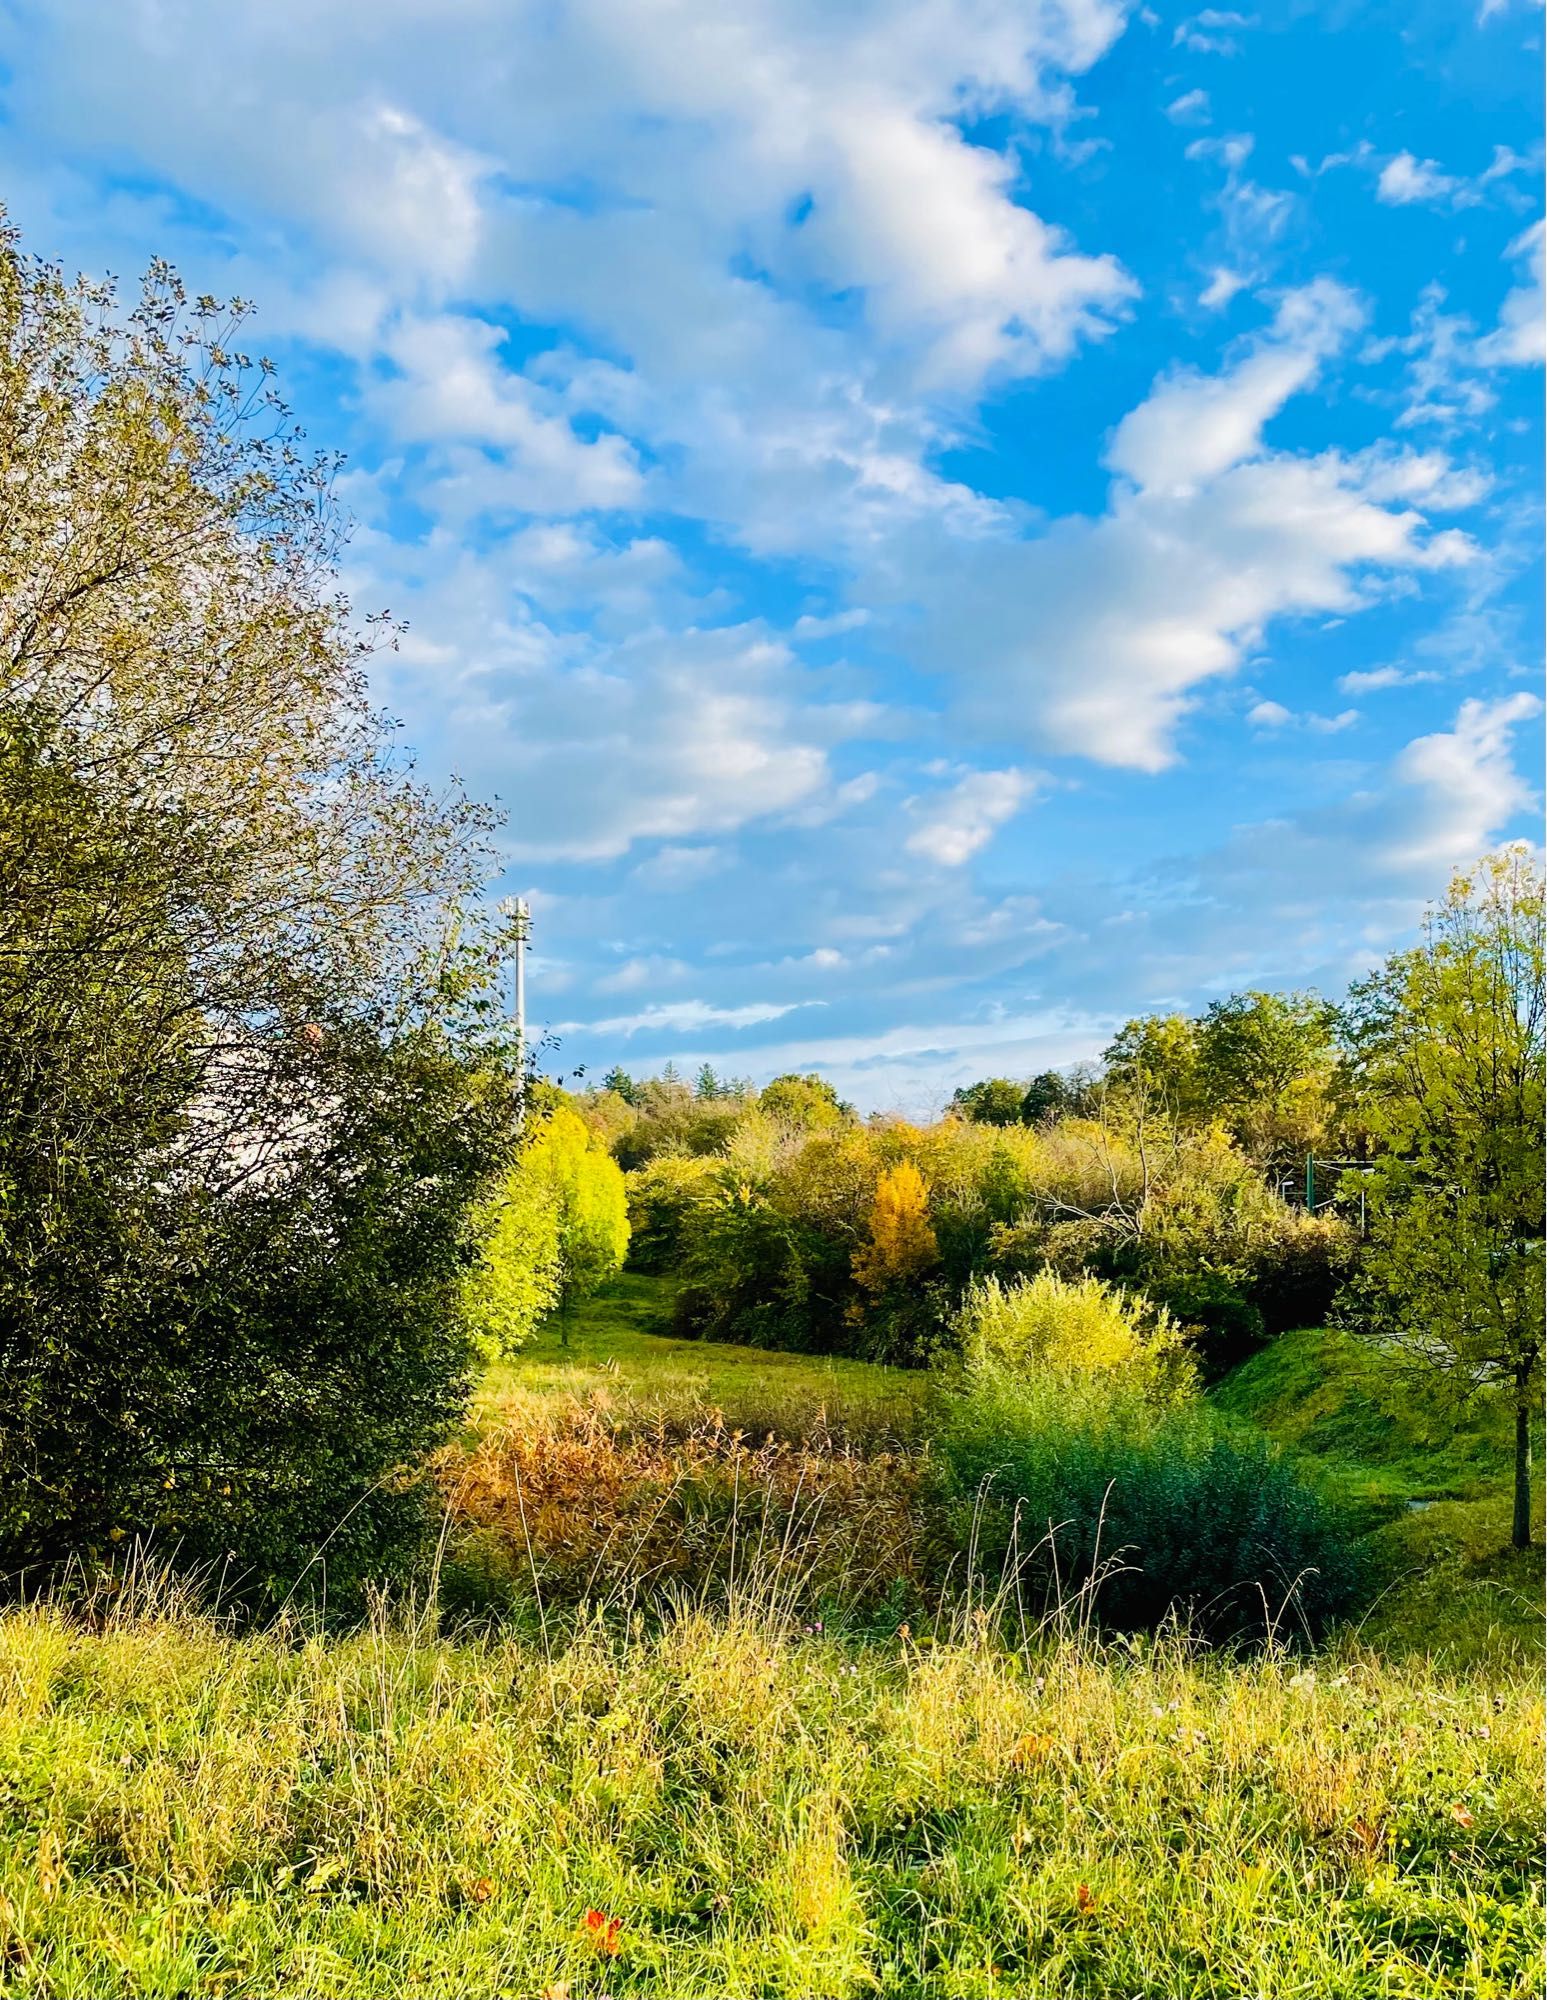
(1068, 1326)
(1085, 1492)
(1296, 1270)
(1222, 1326)
(663, 1198)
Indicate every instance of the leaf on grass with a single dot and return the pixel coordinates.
(1463, 1817)
(602, 1931)
(1085, 1902)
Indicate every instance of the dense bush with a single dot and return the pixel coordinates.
(252, 1083)
(1057, 1326)
(1086, 1494)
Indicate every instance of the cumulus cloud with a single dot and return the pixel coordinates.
(1445, 798)
(1191, 108)
(1519, 338)
(1091, 637)
(1406, 179)
(959, 823)
(448, 390)
(1193, 426)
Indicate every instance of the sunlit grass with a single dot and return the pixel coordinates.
(615, 1350)
(759, 1810)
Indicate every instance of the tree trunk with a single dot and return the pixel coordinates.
(1520, 1534)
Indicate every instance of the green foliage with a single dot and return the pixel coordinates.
(1268, 1063)
(663, 1196)
(251, 1076)
(1052, 1095)
(1059, 1326)
(1265, 1066)
(1090, 1495)
(589, 1196)
(1155, 1057)
(517, 1279)
(808, 1103)
(994, 1101)
(660, 1116)
(1451, 1040)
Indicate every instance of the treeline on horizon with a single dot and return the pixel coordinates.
(795, 1223)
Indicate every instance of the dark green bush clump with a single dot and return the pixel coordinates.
(1095, 1499)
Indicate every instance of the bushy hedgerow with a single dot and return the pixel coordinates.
(1083, 1492)
(863, 1239)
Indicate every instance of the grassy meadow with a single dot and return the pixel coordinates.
(663, 1772)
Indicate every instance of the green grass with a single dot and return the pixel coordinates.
(1431, 1481)
(768, 1811)
(764, 1812)
(616, 1349)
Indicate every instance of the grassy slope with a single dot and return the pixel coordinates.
(616, 1347)
(1433, 1484)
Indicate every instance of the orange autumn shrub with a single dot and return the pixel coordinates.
(588, 1505)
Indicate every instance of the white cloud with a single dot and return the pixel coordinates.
(1519, 338)
(957, 824)
(1191, 108)
(635, 974)
(1091, 637)
(449, 390)
(683, 1017)
(1193, 426)
(1214, 31)
(1406, 179)
(1373, 680)
(1221, 289)
(673, 868)
(1462, 787)
(1269, 715)
(1253, 219)
(1444, 799)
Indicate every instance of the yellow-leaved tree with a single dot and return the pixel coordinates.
(902, 1241)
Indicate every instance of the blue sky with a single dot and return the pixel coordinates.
(945, 522)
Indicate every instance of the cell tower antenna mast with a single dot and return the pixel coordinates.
(518, 908)
(523, 927)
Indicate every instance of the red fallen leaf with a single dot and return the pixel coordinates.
(1462, 1817)
(602, 1931)
(1084, 1900)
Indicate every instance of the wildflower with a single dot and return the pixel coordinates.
(602, 1931)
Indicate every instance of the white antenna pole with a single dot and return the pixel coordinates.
(517, 907)
(523, 924)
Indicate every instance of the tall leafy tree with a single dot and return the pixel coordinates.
(1268, 1065)
(251, 1086)
(1449, 1044)
(809, 1102)
(994, 1101)
(1155, 1056)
